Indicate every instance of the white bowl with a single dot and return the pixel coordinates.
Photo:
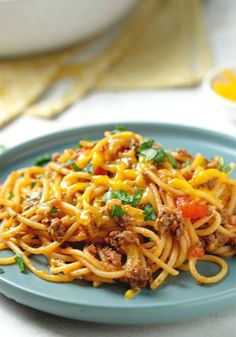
(216, 75)
(31, 26)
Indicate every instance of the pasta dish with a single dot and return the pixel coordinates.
(120, 209)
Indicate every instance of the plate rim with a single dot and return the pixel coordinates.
(54, 134)
(30, 144)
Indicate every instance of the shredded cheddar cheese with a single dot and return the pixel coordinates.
(120, 209)
(227, 86)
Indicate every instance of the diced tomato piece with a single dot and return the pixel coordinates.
(100, 171)
(188, 175)
(196, 251)
(104, 148)
(56, 203)
(194, 210)
(191, 209)
(123, 149)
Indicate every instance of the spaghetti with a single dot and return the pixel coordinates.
(121, 209)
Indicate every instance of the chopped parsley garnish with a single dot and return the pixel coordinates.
(34, 183)
(42, 160)
(122, 195)
(20, 262)
(117, 211)
(147, 144)
(53, 209)
(221, 163)
(187, 163)
(110, 195)
(171, 159)
(71, 163)
(227, 169)
(11, 196)
(158, 155)
(1, 271)
(118, 129)
(150, 154)
(136, 198)
(78, 146)
(90, 168)
(149, 213)
(223, 167)
(76, 168)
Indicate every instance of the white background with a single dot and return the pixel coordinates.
(182, 106)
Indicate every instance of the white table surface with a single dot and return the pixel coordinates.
(184, 106)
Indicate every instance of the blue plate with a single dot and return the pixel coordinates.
(179, 298)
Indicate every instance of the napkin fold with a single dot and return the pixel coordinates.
(162, 44)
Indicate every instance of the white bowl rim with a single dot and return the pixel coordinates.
(207, 84)
(11, 1)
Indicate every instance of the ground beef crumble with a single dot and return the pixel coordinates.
(56, 229)
(215, 241)
(120, 240)
(169, 220)
(138, 276)
(110, 257)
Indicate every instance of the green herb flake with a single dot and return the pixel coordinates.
(42, 160)
(78, 146)
(149, 154)
(76, 168)
(71, 163)
(34, 183)
(120, 194)
(160, 156)
(187, 163)
(171, 159)
(136, 198)
(20, 262)
(221, 162)
(156, 154)
(1, 271)
(53, 209)
(117, 211)
(149, 213)
(147, 144)
(11, 196)
(89, 168)
(118, 129)
(225, 168)
(124, 197)
(109, 195)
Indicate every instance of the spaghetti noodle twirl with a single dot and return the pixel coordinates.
(120, 209)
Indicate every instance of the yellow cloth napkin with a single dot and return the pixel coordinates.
(162, 44)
